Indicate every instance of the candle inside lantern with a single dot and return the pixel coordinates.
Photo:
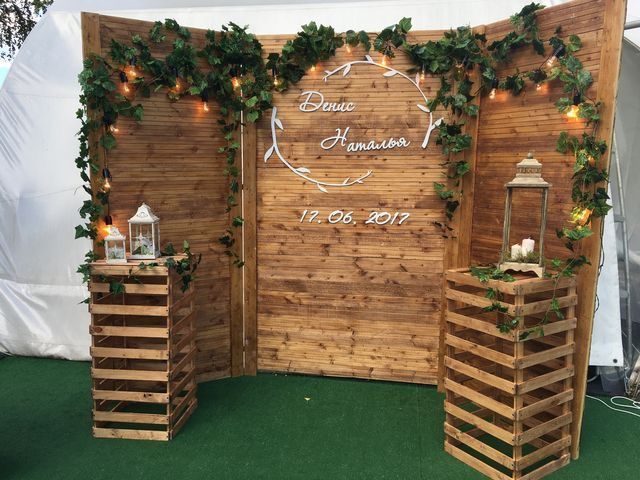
(516, 251)
(528, 246)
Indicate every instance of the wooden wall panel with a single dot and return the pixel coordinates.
(170, 161)
(350, 300)
(512, 126)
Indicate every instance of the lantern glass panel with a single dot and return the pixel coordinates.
(525, 212)
(114, 244)
(144, 234)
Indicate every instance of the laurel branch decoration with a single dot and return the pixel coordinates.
(304, 172)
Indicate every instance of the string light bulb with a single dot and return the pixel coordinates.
(553, 58)
(313, 68)
(574, 108)
(106, 175)
(384, 61)
(538, 86)
(205, 106)
(113, 129)
(124, 80)
(235, 82)
(494, 88)
(422, 73)
(348, 48)
(276, 82)
(581, 216)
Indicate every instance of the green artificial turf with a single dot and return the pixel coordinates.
(263, 427)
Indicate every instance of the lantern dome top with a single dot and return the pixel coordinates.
(528, 174)
(144, 215)
(114, 234)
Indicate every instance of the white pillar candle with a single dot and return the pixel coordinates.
(528, 245)
(516, 251)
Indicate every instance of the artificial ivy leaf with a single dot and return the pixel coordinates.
(405, 24)
(253, 115)
(108, 141)
(116, 287)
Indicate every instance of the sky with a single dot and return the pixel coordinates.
(4, 69)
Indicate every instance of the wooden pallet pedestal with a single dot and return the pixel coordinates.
(508, 398)
(142, 351)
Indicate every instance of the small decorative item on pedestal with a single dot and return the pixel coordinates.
(114, 246)
(524, 258)
(144, 234)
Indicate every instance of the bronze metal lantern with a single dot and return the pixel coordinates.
(529, 176)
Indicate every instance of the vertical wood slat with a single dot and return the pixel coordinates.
(249, 198)
(91, 44)
(613, 30)
(458, 246)
(236, 286)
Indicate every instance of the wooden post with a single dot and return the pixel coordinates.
(249, 199)
(91, 45)
(614, 17)
(236, 329)
(458, 247)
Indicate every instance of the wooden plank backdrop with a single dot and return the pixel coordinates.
(511, 126)
(360, 300)
(170, 161)
(357, 300)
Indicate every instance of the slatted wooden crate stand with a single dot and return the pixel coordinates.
(143, 351)
(508, 396)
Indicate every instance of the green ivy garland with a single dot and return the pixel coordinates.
(241, 82)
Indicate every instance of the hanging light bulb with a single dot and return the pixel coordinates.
(205, 106)
(422, 73)
(106, 175)
(494, 88)
(113, 129)
(538, 86)
(384, 61)
(313, 68)
(235, 82)
(132, 67)
(553, 58)
(276, 82)
(581, 216)
(348, 48)
(124, 80)
(574, 109)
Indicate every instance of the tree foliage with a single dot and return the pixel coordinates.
(17, 19)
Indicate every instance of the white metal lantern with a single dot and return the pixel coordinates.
(144, 234)
(114, 246)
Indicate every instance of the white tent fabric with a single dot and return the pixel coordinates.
(40, 313)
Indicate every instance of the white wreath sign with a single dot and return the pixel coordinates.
(341, 135)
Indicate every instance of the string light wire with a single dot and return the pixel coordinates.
(619, 407)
